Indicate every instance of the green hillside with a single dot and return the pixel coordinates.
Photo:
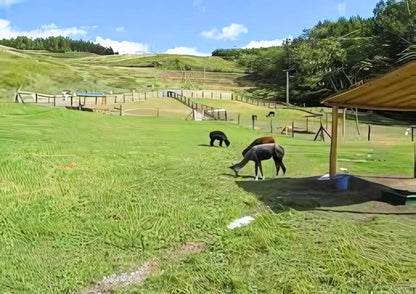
(45, 72)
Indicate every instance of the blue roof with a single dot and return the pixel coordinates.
(90, 94)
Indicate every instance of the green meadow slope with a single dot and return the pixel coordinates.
(85, 195)
(51, 73)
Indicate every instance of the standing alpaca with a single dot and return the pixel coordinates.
(259, 153)
(258, 141)
(220, 136)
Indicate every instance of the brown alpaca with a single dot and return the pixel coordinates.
(258, 141)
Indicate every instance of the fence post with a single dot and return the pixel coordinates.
(232, 96)
(271, 124)
(36, 98)
(158, 112)
(202, 94)
(226, 116)
(145, 96)
(293, 128)
(121, 109)
(369, 132)
(54, 100)
(238, 119)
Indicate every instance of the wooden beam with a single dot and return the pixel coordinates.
(372, 107)
(334, 143)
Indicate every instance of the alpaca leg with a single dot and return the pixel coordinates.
(261, 171)
(256, 170)
(212, 142)
(221, 142)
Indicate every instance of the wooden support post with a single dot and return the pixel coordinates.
(369, 132)
(212, 95)
(121, 109)
(124, 98)
(36, 98)
(202, 94)
(344, 114)
(158, 112)
(232, 96)
(145, 96)
(307, 124)
(226, 116)
(271, 125)
(238, 118)
(220, 96)
(293, 128)
(414, 160)
(96, 98)
(54, 100)
(334, 143)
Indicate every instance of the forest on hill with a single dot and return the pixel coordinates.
(333, 55)
(56, 44)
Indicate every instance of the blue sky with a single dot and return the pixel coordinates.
(195, 27)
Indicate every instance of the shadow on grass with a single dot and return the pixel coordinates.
(207, 145)
(312, 194)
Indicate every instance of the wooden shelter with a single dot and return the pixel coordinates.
(395, 91)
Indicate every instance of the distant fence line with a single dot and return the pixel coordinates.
(74, 100)
(257, 101)
(204, 110)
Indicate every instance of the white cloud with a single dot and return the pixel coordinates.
(124, 47)
(265, 43)
(342, 8)
(186, 51)
(7, 3)
(120, 29)
(7, 31)
(231, 32)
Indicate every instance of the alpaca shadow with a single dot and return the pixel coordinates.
(207, 145)
(239, 176)
(361, 196)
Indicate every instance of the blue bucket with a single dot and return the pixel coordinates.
(341, 182)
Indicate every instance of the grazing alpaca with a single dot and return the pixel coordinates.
(258, 141)
(220, 136)
(259, 153)
(271, 113)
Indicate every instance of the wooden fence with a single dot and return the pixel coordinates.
(205, 110)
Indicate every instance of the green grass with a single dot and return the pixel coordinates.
(85, 195)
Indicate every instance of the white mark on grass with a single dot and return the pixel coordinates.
(110, 283)
(245, 220)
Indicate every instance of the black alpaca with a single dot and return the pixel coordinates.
(220, 136)
(262, 152)
(271, 113)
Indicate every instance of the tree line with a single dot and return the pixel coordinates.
(334, 55)
(57, 44)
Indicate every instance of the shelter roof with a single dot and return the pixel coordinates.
(394, 91)
(90, 94)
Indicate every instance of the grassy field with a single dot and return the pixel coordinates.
(51, 73)
(85, 195)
